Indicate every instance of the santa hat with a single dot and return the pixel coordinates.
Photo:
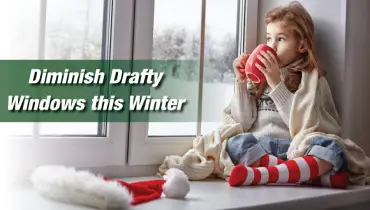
(84, 188)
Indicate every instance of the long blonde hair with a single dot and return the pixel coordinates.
(296, 16)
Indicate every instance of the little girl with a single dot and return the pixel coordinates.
(263, 109)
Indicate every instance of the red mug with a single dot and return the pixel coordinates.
(251, 71)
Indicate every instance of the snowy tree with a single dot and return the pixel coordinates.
(179, 44)
(170, 44)
(227, 55)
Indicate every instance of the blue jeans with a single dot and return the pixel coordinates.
(246, 149)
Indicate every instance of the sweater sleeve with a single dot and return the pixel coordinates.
(283, 99)
(243, 105)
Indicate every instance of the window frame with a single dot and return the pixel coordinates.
(145, 150)
(82, 151)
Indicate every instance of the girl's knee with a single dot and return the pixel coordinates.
(241, 141)
(238, 145)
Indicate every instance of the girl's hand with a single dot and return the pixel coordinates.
(239, 65)
(272, 70)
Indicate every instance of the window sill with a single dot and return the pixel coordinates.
(211, 194)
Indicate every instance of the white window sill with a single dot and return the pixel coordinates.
(218, 195)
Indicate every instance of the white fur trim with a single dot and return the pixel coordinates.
(79, 187)
(177, 184)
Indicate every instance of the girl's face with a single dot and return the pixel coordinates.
(283, 40)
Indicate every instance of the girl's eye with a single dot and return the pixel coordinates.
(281, 39)
(268, 39)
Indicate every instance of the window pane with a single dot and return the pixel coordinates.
(73, 31)
(176, 36)
(56, 129)
(219, 52)
(18, 129)
(23, 29)
(21, 42)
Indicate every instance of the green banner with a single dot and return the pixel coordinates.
(104, 90)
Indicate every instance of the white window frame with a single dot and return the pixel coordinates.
(81, 151)
(144, 150)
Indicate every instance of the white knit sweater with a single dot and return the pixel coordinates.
(269, 116)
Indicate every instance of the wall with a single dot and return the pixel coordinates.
(357, 78)
(343, 34)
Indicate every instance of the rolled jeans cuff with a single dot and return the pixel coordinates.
(327, 155)
(252, 155)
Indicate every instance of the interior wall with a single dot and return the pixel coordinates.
(342, 38)
(357, 78)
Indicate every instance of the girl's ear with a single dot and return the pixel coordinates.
(303, 46)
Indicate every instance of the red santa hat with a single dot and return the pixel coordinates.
(65, 184)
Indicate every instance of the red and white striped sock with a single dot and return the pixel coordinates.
(338, 180)
(293, 171)
(270, 160)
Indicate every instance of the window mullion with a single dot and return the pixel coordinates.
(201, 67)
(106, 54)
(240, 26)
(40, 53)
(108, 29)
(250, 25)
(42, 29)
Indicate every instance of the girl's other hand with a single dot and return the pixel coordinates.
(239, 66)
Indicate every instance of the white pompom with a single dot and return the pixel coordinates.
(177, 184)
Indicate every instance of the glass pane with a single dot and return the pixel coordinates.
(76, 34)
(23, 29)
(176, 35)
(73, 31)
(20, 42)
(56, 129)
(18, 129)
(219, 52)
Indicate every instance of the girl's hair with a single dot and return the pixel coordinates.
(297, 17)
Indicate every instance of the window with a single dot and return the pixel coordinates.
(188, 29)
(78, 35)
(213, 32)
(66, 29)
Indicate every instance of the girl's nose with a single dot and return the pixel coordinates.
(272, 45)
